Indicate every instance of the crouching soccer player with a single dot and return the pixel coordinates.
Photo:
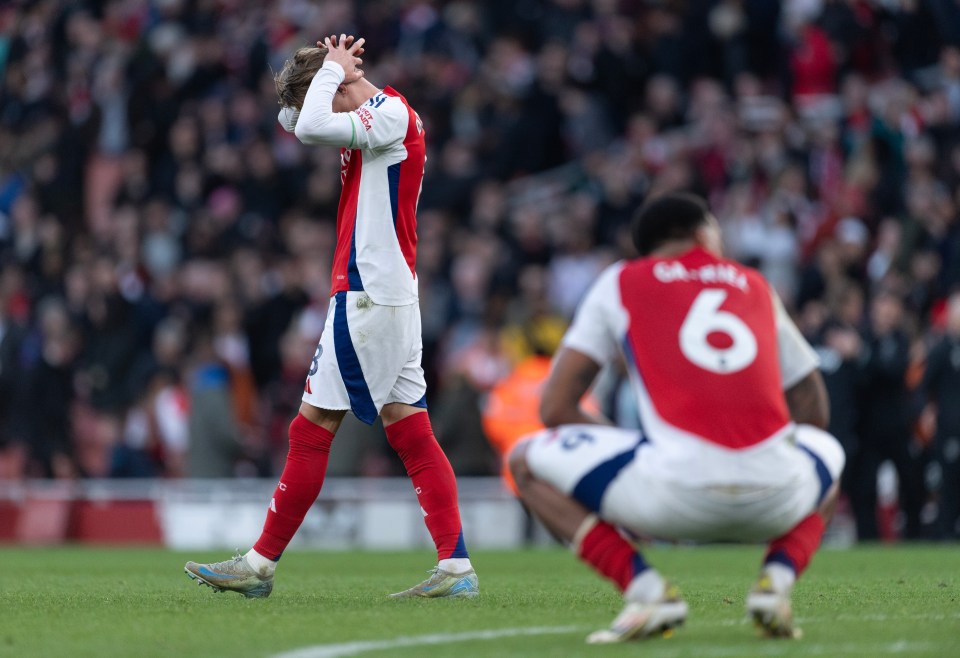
(368, 360)
(730, 402)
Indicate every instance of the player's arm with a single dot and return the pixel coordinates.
(570, 378)
(808, 402)
(317, 123)
(588, 344)
(802, 382)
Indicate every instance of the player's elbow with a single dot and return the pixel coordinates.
(304, 133)
(821, 418)
(310, 132)
(808, 401)
(553, 411)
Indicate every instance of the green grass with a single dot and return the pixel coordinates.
(871, 601)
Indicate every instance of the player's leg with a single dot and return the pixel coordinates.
(251, 574)
(311, 435)
(409, 432)
(562, 475)
(789, 555)
(325, 402)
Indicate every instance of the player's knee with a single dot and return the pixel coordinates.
(517, 462)
(306, 438)
(826, 447)
(828, 506)
(394, 412)
(328, 419)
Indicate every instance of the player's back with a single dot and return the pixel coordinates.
(701, 341)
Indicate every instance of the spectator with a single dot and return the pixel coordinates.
(941, 386)
(214, 448)
(885, 420)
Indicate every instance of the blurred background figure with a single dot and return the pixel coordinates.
(941, 386)
(885, 421)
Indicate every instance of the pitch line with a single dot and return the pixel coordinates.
(354, 648)
(769, 649)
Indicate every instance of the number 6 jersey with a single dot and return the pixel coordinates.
(708, 344)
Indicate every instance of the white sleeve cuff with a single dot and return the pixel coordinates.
(336, 68)
(288, 118)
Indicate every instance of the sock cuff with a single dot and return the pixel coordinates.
(304, 431)
(585, 528)
(415, 425)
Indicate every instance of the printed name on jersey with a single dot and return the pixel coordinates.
(671, 271)
(365, 116)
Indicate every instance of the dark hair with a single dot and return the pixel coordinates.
(674, 216)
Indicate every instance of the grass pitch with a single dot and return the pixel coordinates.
(871, 601)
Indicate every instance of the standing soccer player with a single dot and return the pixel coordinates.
(730, 399)
(368, 360)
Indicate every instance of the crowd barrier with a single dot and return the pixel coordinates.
(351, 513)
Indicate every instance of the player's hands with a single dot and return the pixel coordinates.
(347, 41)
(345, 52)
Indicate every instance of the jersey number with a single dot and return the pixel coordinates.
(705, 318)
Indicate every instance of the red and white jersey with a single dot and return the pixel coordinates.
(382, 158)
(709, 346)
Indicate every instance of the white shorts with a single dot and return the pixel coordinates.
(368, 356)
(755, 494)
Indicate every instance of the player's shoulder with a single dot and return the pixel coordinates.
(388, 102)
(606, 287)
(609, 277)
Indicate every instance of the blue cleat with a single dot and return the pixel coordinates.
(443, 584)
(235, 575)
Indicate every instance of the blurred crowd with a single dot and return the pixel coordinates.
(165, 246)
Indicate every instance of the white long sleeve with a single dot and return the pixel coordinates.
(318, 123)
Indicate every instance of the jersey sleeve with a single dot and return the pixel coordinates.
(797, 357)
(318, 123)
(594, 331)
(379, 122)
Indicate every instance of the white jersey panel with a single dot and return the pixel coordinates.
(797, 357)
(600, 323)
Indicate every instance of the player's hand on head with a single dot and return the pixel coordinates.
(347, 42)
(345, 51)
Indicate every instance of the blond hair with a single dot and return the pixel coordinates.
(294, 78)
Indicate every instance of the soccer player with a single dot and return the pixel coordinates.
(730, 402)
(368, 359)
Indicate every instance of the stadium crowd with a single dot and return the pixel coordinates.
(165, 246)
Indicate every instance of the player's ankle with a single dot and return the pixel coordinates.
(262, 565)
(455, 565)
(646, 587)
(781, 576)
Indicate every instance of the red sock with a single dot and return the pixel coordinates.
(433, 480)
(605, 549)
(299, 486)
(796, 548)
